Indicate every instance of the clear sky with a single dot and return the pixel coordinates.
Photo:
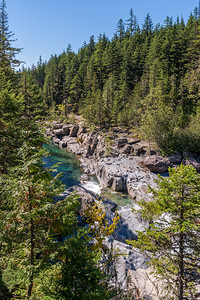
(45, 27)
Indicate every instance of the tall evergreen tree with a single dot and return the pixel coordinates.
(7, 51)
(173, 240)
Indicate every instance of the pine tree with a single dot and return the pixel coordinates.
(173, 240)
(7, 51)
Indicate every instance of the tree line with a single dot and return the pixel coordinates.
(144, 77)
(44, 253)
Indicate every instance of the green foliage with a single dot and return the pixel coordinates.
(172, 242)
(126, 80)
(159, 125)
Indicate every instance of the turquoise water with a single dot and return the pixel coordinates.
(69, 166)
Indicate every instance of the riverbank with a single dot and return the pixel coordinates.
(126, 164)
(120, 160)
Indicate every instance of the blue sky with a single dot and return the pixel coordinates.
(45, 27)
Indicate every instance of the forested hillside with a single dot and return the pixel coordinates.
(36, 261)
(144, 77)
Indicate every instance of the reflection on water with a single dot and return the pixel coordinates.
(68, 164)
(121, 199)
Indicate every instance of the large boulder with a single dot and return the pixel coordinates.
(127, 259)
(119, 184)
(129, 224)
(74, 131)
(58, 132)
(176, 158)
(66, 129)
(126, 149)
(157, 163)
(191, 161)
(86, 197)
(144, 285)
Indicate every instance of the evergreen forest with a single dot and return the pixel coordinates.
(145, 78)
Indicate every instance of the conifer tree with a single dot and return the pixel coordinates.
(173, 240)
(7, 51)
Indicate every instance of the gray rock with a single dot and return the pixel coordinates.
(109, 205)
(133, 141)
(139, 150)
(66, 129)
(130, 222)
(81, 130)
(121, 142)
(58, 132)
(176, 158)
(127, 149)
(75, 148)
(192, 162)
(157, 163)
(62, 144)
(119, 184)
(128, 258)
(74, 131)
(56, 140)
(57, 125)
(106, 178)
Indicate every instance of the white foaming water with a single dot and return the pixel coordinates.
(92, 186)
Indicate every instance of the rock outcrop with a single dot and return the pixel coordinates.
(129, 223)
(120, 162)
(116, 159)
(125, 164)
(157, 163)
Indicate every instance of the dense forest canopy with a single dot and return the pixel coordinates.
(36, 262)
(144, 77)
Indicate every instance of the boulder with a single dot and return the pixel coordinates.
(176, 158)
(74, 131)
(139, 150)
(75, 148)
(190, 161)
(66, 129)
(144, 285)
(58, 132)
(88, 151)
(106, 178)
(119, 184)
(127, 259)
(157, 163)
(109, 205)
(126, 149)
(85, 197)
(57, 125)
(129, 223)
(121, 142)
(56, 140)
(62, 144)
(81, 130)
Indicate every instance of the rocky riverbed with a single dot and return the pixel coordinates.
(118, 159)
(123, 163)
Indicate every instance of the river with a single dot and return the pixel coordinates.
(69, 166)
